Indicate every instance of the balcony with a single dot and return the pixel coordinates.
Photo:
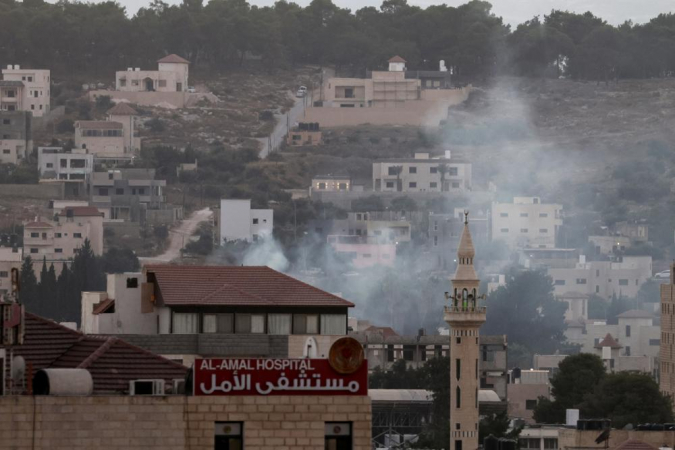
(38, 241)
(469, 316)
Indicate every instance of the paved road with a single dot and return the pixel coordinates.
(295, 114)
(178, 236)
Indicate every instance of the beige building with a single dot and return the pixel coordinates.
(330, 183)
(58, 240)
(422, 174)
(609, 245)
(126, 115)
(667, 343)
(25, 90)
(361, 224)
(100, 137)
(10, 258)
(465, 318)
(304, 134)
(171, 76)
(16, 136)
(526, 223)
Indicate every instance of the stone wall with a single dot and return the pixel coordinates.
(175, 422)
(43, 191)
(575, 439)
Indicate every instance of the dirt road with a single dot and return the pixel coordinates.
(179, 236)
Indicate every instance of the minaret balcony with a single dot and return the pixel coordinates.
(465, 314)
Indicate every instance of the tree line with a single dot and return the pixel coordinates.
(58, 296)
(94, 39)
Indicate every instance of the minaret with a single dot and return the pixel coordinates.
(465, 318)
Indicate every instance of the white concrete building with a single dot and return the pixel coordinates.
(602, 278)
(609, 245)
(10, 258)
(239, 222)
(422, 174)
(526, 223)
(31, 90)
(171, 76)
(54, 163)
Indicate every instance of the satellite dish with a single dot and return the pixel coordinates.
(18, 371)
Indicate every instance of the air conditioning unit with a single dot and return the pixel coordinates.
(179, 387)
(146, 387)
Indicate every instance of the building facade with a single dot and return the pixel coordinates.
(422, 174)
(465, 318)
(54, 163)
(171, 76)
(99, 137)
(364, 251)
(333, 183)
(445, 231)
(25, 90)
(10, 258)
(667, 344)
(126, 115)
(125, 194)
(526, 223)
(16, 136)
(238, 221)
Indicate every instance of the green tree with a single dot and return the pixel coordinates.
(497, 425)
(627, 398)
(578, 375)
(117, 260)
(29, 284)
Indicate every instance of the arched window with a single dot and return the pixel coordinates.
(458, 398)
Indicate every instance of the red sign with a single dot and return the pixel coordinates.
(276, 377)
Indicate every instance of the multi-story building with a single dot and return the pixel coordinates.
(55, 163)
(100, 137)
(10, 258)
(331, 183)
(602, 278)
(25, 90)
(422, 174)
(445, 231)
(124, 194)
(525, 389)
(636, 231)
(364, 224)
(126, 115)
(304, 134)
(227, 311)
(364, 251)
(58, 240)
(526, 223)
(609, 245)
(667, 344)
(171, 76)
(238, 221)
(16, 136)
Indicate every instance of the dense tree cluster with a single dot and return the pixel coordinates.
(96, 38)
(58, 296)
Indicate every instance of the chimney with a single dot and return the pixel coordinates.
(130, 69)
(9, 67)
(17, 67)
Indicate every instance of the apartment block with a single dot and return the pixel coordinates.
(422, 174)
(25, 90)
(238, 221)
(526, 223)
(331, 183)
(100, 137)
(170, 76)
(55, 163)
(667, 345)
(603, 278)
(126, 115)
(10, 258)
(16, 136)
(366, 224)
(126, 194)
(364, 251)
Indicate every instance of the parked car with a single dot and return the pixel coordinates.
(664, 275)
(191, 89)
(302, 91)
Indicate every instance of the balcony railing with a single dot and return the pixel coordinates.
(466, 309)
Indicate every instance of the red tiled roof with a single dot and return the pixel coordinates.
(103, 306)
(122, 109)
(173, 58)
(236, 285)
(81, 211)
(384, 331)
(111, 361)
(37, 225)
(608, 341)
(98, 125)
(397, 59)
(635, 444)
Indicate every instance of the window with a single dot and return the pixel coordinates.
(6, 121)
(433, 169)
(338, 436)
(333, 324)
(342, 186)
(57, 235)
(655, 342)
(455, 185)
(409, 352)
(452, 171)
(623, 282)
(530, 404)
(229, 435)
(279, 324)
(458, 398)
(597, 289)
(559, 282)
(218, 323)
(33, 250)
(412, 169)
(435, 241)
(458, 445)
(367, 255)
(628, 350)
(543, 215)
(458, 340)
(6, 152)
(103, 191)
(119, 191)
(255, 221)
(543, 230)
(4, 274)
(581, 280)
(185, 323)
(433, 185)
(392, 170)
(627, 331)
(412, 184)
(504, 230)
(305, 324)
(503, 214)
(77, 235)
(524, 214)
(58, 250)
(78, 163)
(458, 368)
(550, 443)
(530, 443)
(50, 165)
(390, 184)
(487, 355)
(523, 230)
(349, 93)
(161, 83)
(390, 353)
(250, 323)
(35, 235)
(141, 191)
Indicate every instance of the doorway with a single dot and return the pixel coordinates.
(229, 436)
(338, 436)
(149, 84)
